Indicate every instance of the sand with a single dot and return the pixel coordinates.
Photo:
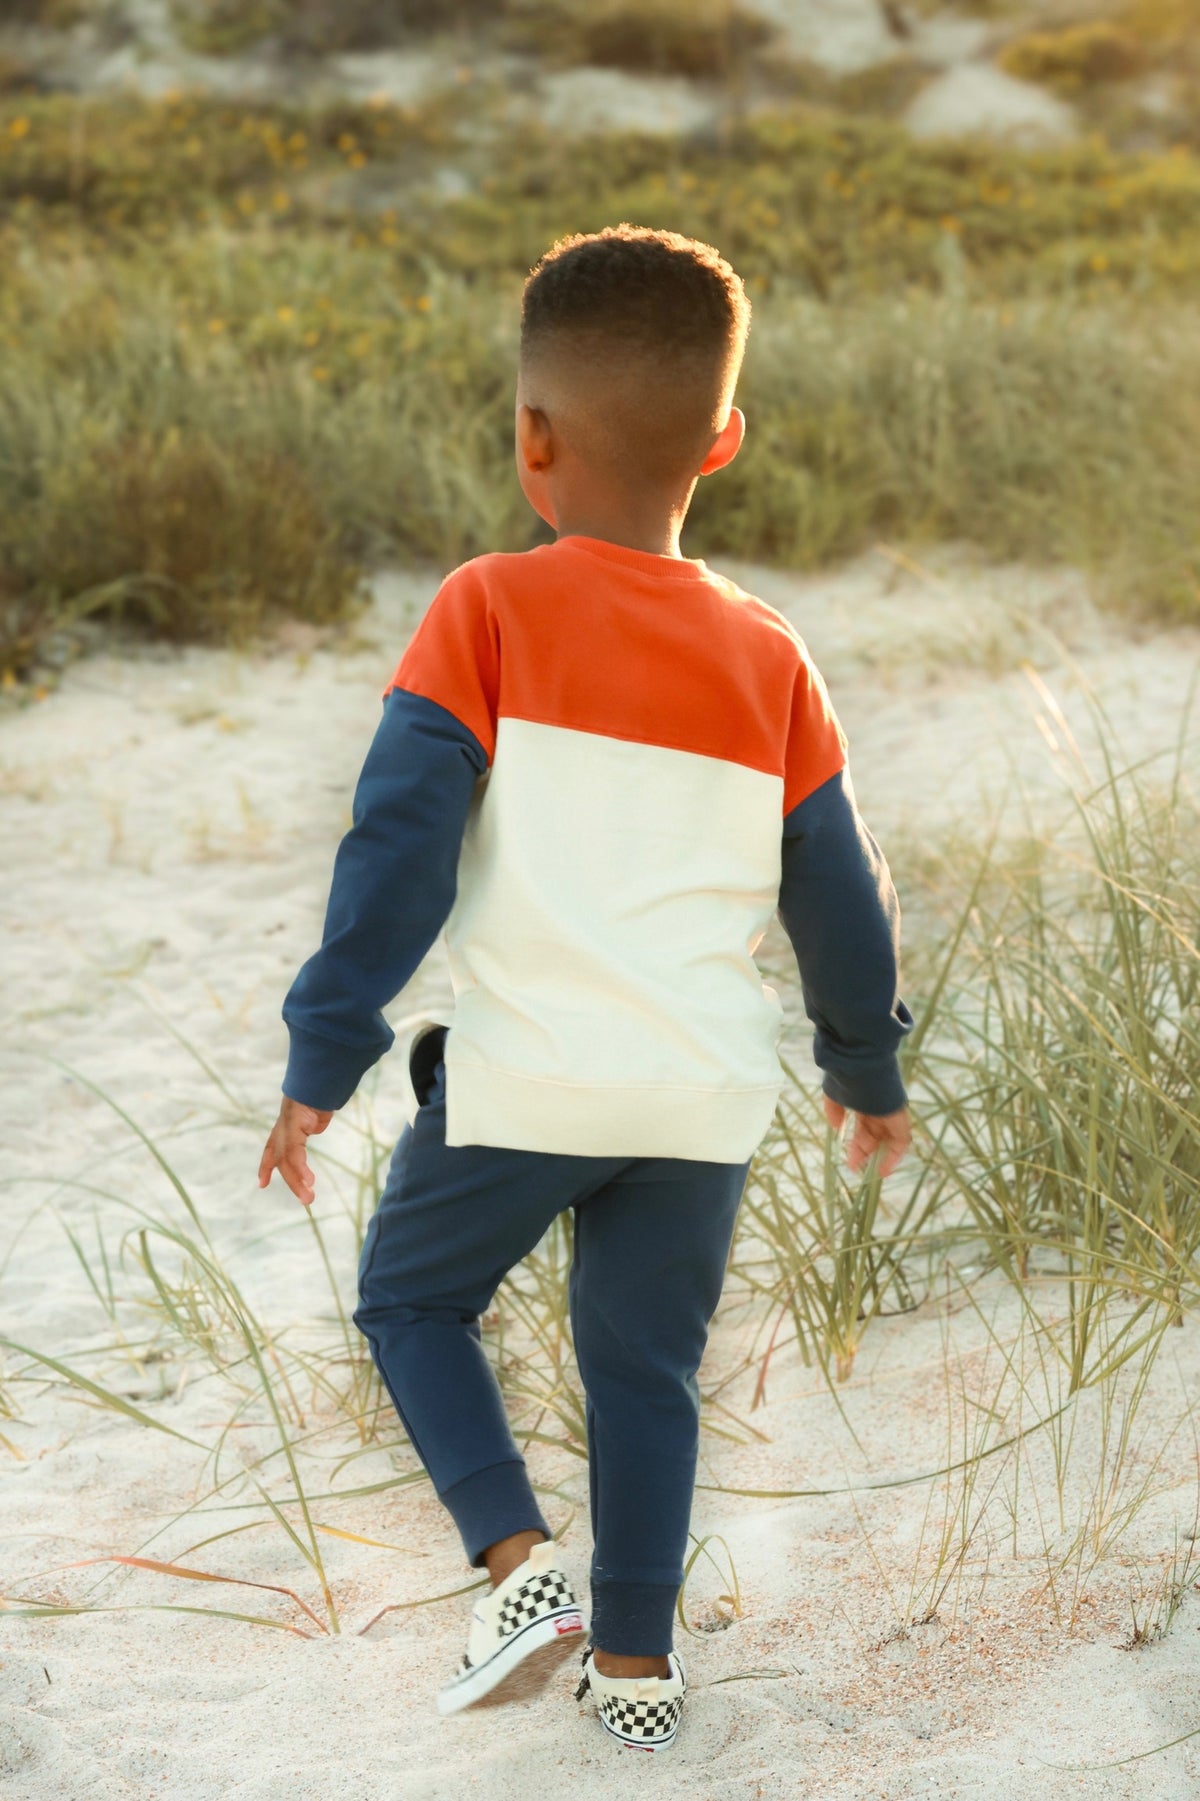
(167, 822)
(978, 98)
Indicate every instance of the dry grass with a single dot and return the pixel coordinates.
(245, 351)
(226, 386)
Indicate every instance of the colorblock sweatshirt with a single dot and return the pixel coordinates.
(602, 772)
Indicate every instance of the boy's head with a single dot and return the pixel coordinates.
(631, 343)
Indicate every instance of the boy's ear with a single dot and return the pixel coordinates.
(728, 443)
(534, 439)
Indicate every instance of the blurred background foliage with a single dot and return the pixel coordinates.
(252, 348)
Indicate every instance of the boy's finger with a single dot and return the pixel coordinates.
(299, 1177)
(266, 1163)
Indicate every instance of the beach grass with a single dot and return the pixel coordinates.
(1052, 1082)
(197, 463)
(248, 354)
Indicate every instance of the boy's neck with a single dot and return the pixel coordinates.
(655, 528)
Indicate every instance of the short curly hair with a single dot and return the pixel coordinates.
(657, 324)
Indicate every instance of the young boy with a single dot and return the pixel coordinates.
(603, 768)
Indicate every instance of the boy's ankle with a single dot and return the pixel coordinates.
(508, 1554)
(608, 1663)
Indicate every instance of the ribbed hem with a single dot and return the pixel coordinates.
(491, 1505)
(322, 1073)
(526, 1113)
(633, 1619)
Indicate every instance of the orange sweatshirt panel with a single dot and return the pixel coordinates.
(594, 637)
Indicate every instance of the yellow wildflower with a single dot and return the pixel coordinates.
(285, 314)
(19, 128)
(424, 304)
(216, 326)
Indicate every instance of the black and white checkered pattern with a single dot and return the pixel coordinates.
(518, 1635)
(532, 1600)
(536, 1597)
(646, 1722)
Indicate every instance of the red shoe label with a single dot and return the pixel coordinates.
(569, 1622)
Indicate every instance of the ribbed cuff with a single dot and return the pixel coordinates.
(491, 1505)
(876, 1092)
(322, 1073)
(633, 1619)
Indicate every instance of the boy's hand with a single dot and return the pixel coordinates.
(889, 1132)
(285, 1148)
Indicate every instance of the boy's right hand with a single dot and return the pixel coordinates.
(889, 1132)
(285, 1148)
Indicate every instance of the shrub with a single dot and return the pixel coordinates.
(834, 204)
(16, 75)
(195, 538)
(1165, 24)
(226, 27)
(175, 533)
(55, 14)
(320, 27)
(678, 37)
(1075, 57)
(147, 165)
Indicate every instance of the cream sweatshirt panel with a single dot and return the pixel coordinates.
(611, 895)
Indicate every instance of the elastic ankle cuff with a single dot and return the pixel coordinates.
(491, 1505)
(633, 1619)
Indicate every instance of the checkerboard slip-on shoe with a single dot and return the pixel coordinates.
(519, 1634)
(641, 1711)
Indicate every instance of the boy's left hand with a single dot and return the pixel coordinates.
(285, 1150)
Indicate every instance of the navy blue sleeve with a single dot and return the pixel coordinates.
(394, 882)
(839, 908)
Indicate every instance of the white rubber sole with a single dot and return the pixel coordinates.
(521, 1666)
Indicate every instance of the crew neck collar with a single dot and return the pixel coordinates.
(672, 568)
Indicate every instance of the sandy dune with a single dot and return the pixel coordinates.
(166, 828)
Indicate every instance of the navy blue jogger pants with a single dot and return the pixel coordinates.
(651, 1243)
